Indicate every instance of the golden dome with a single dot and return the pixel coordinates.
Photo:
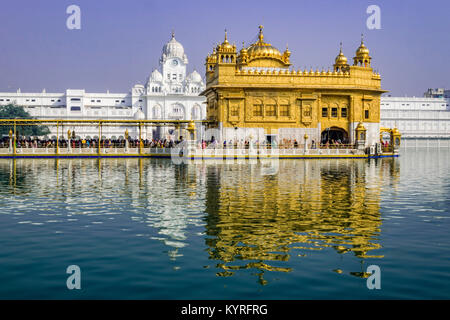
(243, 50)
(360, 127)
(362, 57)
(341, 59)
(362, 50)
(225, 46)
(262, 49)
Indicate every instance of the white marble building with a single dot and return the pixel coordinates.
(422, 121)
(168, 94)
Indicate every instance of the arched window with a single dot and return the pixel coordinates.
(258, 108)
(271, 108)
(284, 108)
(177, 111)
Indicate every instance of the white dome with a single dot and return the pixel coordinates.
(156, 76)
(173, 49)
(139, 115)
(195, 77)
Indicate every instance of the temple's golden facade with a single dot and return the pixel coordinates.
(255, 94)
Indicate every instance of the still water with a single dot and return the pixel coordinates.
(149, 229)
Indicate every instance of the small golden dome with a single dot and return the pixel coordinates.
(243, 50)
(360, 127)
(225, 46)
(362, 50)
(341, 59)
(287, 52)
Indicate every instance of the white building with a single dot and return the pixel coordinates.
(422, 121)
(168, 94)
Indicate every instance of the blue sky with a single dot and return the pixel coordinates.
(120, 42)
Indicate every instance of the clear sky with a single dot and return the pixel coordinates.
(120, 42)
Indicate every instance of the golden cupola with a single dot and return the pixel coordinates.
(226, 46)
(243, 55)
(263, 54)
(226, 52)
(286, 55)
(362, 57)
(211, 60)
(341, 62)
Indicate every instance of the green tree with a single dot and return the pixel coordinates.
(12, 111)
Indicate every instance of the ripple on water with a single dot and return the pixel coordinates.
(158, 230)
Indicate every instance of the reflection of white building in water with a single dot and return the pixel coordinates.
(169, 93)
(422, 121)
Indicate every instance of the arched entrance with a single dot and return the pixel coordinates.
(334, 134)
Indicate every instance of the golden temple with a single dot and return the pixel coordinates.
(254, 93)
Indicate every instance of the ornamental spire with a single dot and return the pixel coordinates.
(261, 36)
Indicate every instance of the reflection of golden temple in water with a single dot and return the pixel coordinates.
(255, 221)
(250, 220)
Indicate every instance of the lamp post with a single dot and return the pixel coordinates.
(10, 141)
(126, 140)
(360, 136)
(69, 147)
(305, 137)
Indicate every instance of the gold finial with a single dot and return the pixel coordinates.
(261, 36)
(226, 35)
(362, 38)
(340, 49)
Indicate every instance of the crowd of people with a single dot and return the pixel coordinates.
(170, 143)
(88, 143)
